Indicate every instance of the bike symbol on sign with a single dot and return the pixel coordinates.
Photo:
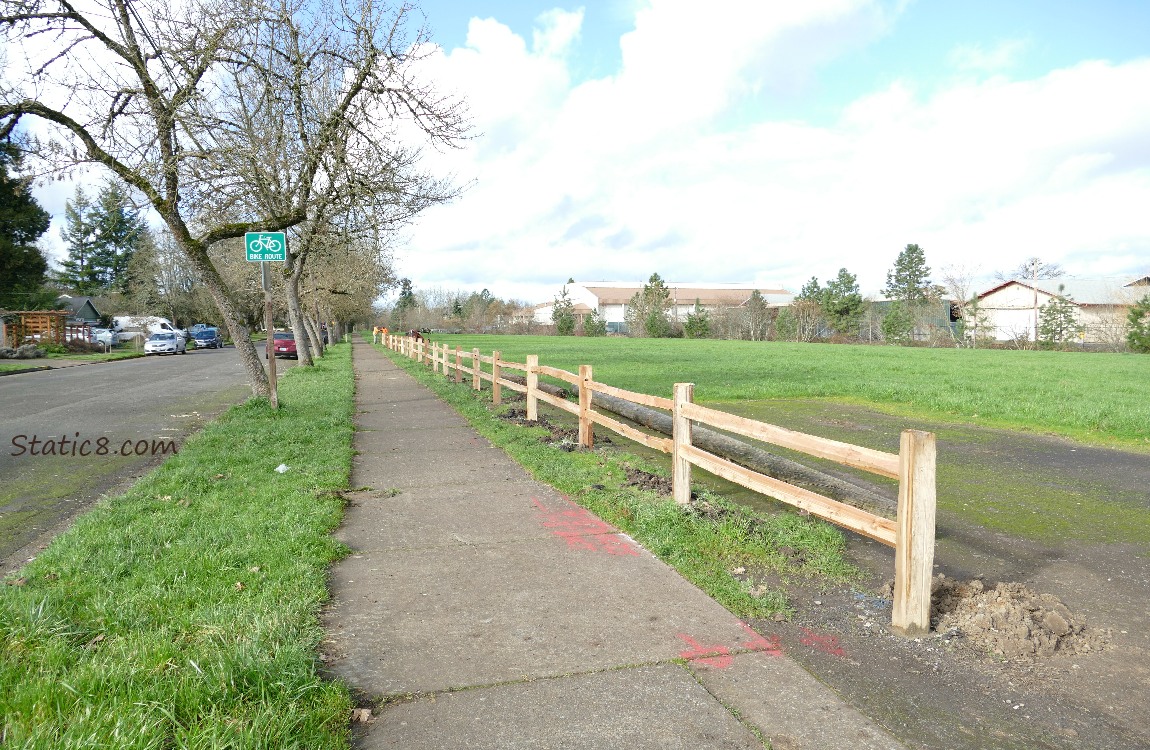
(266, 244)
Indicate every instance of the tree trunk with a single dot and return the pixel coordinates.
(294, 266)
(744, 454)
(241, 334)
(314, 334)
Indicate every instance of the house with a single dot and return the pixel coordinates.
(1011, 309)
(82, 310)
(610, 300)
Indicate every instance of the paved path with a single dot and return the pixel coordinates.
(494, 613)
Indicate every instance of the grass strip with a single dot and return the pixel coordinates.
(97, 356)
(184, 613)
(705, 542)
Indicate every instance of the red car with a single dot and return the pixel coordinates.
(284, 345)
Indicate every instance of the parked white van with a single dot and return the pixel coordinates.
(128, 327)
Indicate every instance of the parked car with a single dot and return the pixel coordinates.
(165, 343)
(284, 344)
(207, 338)
(105, 336)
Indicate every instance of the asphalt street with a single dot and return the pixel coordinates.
(126, 416)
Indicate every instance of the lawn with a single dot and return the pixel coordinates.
(1098, 398)
(184, 613)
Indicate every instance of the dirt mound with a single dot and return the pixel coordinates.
(647, 481)
(1010, 620)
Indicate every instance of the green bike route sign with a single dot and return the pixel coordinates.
(265, 246)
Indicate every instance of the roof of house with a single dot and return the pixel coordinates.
(77, 304)
(686, 294)
(1102, 291)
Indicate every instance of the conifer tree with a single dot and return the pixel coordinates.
(23, 268)
(1058, 321)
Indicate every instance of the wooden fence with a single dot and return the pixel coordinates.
(911, 534)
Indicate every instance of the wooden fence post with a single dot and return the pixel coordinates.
(476, 381)
(681, 435)
(586, 428)
(532, 387)
(458, 364)
(435, 357)
(496, 391)
(914, 542)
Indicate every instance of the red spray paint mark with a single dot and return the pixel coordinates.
(771, 645)
(828, 644)
(582, 530)
(718, 657)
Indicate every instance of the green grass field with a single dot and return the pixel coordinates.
(1097, 398)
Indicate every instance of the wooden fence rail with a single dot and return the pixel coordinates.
(911, 534)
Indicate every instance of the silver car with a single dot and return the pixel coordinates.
(165, 343)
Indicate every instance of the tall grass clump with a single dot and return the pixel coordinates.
(184, 613)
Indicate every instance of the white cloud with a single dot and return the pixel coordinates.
(618, 177)
(979, 59)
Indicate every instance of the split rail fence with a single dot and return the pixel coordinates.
(911, 534)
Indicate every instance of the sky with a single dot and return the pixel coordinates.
(768, 141)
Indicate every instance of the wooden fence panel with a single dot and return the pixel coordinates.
(878, 462)
(555, 372)
(655, 402)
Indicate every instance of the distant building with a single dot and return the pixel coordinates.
(1102, 306)
(82, 310)
(610, 299)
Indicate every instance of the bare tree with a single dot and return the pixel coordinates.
(155, 92)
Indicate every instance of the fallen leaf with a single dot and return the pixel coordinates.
(16, 581)
(361, 715)
(240, 586)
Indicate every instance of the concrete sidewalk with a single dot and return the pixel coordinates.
(494, 613)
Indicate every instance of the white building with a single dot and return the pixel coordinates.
(1102, 306)
(610, 299)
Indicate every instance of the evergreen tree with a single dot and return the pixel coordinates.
(1138, 334)
(786, 326)
(909, 280)
(119, 230)
(647, 311)
(594, 325)
(563, 314)
(1058, 321)
(842, 304)
(23, 268)
(811, 291)
(404, 305)
(698, 325)
(898, 325)
(78, 271)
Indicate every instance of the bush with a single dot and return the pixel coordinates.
(78, 346)
(25, 351)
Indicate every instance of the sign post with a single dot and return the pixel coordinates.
(262, 248)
